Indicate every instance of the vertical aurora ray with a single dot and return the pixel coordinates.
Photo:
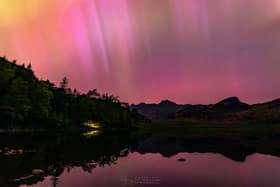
(97, 35)
(148, 50)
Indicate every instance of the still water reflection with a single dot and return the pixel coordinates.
(122, 159)
(200, 169)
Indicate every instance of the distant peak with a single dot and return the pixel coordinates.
(231, 99)
(167, 102)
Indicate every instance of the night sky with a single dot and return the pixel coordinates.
(188, 51)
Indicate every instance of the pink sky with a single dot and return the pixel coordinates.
(187, 51)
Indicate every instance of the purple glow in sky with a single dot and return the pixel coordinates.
(189, 51)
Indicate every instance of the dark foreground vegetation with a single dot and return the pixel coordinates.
(27, 103)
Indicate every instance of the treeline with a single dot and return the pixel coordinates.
(26, 101)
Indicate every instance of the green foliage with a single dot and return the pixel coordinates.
(41, 100)
(27, 101)
(17, 97)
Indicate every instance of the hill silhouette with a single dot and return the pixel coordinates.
(163, 110)
(214, 111)
(228, 110)
(263, 112)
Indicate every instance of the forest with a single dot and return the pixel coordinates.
(28, 102)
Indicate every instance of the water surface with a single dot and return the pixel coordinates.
(112, 159)
(200, 169)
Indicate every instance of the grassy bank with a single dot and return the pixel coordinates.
(177, 128)
(263, 138)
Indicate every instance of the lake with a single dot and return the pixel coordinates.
(123, 159)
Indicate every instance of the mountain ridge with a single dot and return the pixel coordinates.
(230, 109)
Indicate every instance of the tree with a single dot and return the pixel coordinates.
(64, 83)
(41, 100)
(17, 99)
(93, 94)
(29, 67)
(24, 99)
(7, 73)
(110, 98)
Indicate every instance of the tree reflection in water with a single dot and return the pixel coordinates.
(57, 153)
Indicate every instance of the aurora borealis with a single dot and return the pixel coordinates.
(188, 51)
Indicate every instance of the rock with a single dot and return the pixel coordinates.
(26, 177)
(10, 152)
(182, 160)
(16, 180)
(22, 179)
(37, 172)
(124, 152)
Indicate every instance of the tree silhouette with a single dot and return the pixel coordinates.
(26, 101)
(64, 83)
(93, 94)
